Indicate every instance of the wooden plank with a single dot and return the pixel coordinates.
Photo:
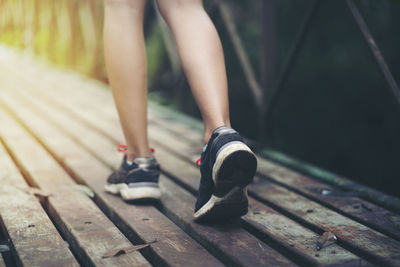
(374, 244)
(248, 251)
(380, 251)
(183, 169)
(86, 228)
(270, 224)
(296, 242)
(174, 247)
(346, 203)
(35, 240)
(244, 248)
(370, 240)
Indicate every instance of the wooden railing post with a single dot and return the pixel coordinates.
(51, 46)
(97, 19)
(252, 82)
(268, 45)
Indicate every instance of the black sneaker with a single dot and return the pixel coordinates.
(227, 166)
(137, 181)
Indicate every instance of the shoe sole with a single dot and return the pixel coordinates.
(233, 170)
(136, 193)
(232, 205)
(115, 189)
(139, 193)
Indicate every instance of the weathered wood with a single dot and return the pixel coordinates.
(188, 171)
(286, 233)
(167, 119)
(373, 245)
(86, 228)
(247, 251)
(362, 238)
(380, 252)
(228, 238)
(173, 246)
(346, 203)
(35, 240)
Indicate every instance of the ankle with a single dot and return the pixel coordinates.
(210, 129)
(131, 156)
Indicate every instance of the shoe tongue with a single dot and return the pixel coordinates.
(224, 129)
(127, 166)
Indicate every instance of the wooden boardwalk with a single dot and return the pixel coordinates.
(59, 132)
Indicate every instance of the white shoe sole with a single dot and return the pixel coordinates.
(137, 193)
(224, 154)
(233, 170)
(115, 188)
(232, 205)
(134, 193)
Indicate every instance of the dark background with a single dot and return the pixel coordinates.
(336, 109)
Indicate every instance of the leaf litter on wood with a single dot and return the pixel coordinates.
(326, 239)
(120, 251)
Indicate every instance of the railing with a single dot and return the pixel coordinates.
(66, 32)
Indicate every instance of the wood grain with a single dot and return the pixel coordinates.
(102, 148)
(86, 228)
(146, 223)
(28, 227)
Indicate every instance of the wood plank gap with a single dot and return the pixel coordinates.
(40, 236)
(88, 248)
(88, 121)
(392, 220)
(7, 257)
(64, 119)
(179, 241)
(187, 174)
(185, 153)
(189, 215)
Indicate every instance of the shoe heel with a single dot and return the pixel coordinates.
(233, 205)
(237, 169)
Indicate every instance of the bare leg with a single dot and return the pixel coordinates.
(124, 49)
(202, 58)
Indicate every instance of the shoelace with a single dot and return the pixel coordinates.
(124, 148)
(198, 162)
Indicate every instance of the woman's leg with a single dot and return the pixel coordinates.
(202, 58)
(124, 49)
(227, 164)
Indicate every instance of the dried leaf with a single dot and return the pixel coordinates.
(117, 252)
(36, 192)
(326, 239)
(85, 189)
